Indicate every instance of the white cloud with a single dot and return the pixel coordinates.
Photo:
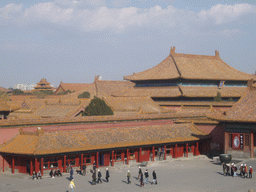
(224, 13)
(75, 14)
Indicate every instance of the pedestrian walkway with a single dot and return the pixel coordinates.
(183, 174)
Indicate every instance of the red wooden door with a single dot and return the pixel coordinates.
(106, 159)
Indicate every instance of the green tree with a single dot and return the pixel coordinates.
(18, 92)
(97, 107)
(84, 95)
(42, 93)
(218, 97)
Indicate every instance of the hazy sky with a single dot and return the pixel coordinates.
(73, 41)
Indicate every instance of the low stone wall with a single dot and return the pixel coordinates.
(239, 154)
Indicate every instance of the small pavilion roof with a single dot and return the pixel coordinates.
(43, 84)
(243, 111)
(42, 143)
(188, 66)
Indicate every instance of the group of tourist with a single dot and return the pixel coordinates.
(94, 179)
(141, 177)
(55, 173)
(231, 170)
(36, 175)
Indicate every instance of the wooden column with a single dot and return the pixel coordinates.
(153, 152)
(60, 163)
(31, 166)
(42, 166)
(140, 155)
(175, 151)
(113, 158)
(226, 142)
(82, 160)
(97, 159)
(13, 164)
(122, 156)
(127, 156)
(65, 164)
(197, 151)
(251, 143)
(186, 149)
(165, 152)
(193, 149)
(36, 165)
(3, 163)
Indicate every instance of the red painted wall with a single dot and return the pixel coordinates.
(217, 134)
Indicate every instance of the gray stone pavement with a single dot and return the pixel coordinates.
(183, 174)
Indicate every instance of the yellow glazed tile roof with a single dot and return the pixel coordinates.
(93, 139)
(188, 66)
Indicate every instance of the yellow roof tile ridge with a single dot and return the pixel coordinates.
(175, 64)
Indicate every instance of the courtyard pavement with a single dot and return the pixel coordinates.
(183, 174)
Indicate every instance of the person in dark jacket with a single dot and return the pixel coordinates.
(84, 170)
(93, 177)
(139, 173)
(99, 177)
(141, 180)
(94, 166)
(154, 178)
(71, 173)
(51, 174)
(107, 174)
(146, 176)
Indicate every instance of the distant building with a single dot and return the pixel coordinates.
(43, 85)
(182, 79)
(24, 87)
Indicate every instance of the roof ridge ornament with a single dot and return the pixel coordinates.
(172, 51)
(250, 84)
(217, 54)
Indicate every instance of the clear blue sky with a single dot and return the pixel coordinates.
(73, 41)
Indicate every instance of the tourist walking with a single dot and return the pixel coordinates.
(72, 185)
(99, 177)
(154, 178)
(146, 176)
(245, 171)
(84, 169)
(250, 172)
(224, 167)
(71, 173)
(107, 174)
(139, 173)
(241, 170)
(234, 170)
(93, 177)
(128, 177)
(94, 166)
(141, 180)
